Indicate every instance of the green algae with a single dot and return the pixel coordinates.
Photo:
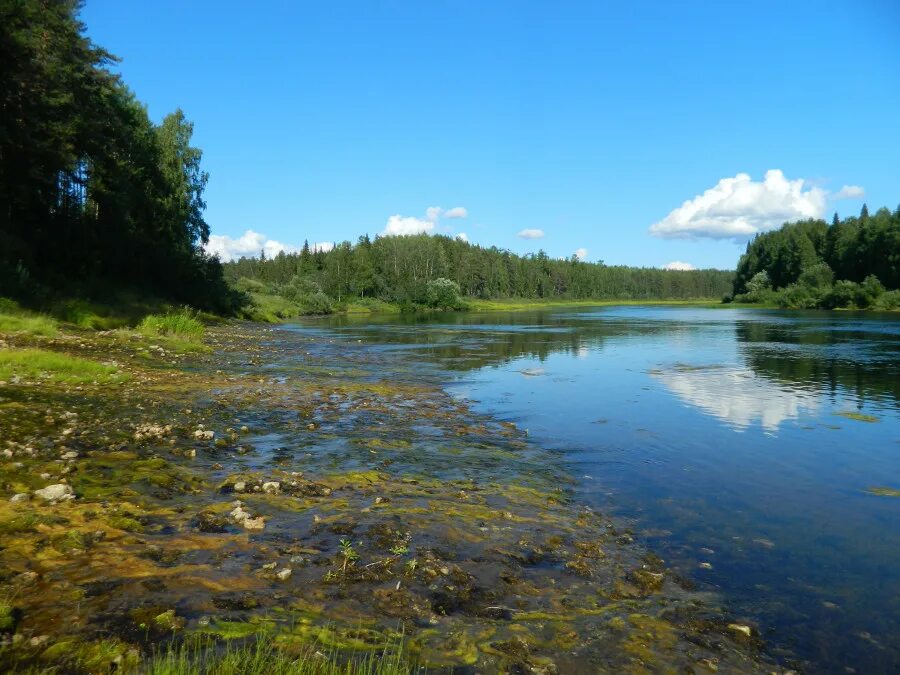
(859, 417)
(93, 657)
(884, 491)
(9, 617)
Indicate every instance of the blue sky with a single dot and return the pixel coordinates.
(589, 122)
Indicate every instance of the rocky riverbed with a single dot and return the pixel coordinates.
(310, 492)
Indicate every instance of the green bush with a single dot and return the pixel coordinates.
(798, 296)
(317, 303)
(817, 276)
(247, 285)
(888, 300)
(183, 324)
(443, 294)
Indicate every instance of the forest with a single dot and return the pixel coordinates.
(851, 263)
(441, 272)
(93, 195)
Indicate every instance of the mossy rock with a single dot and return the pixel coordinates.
(92, 657)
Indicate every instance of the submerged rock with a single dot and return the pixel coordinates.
(741, 629)
(254, 523)
(271, 488)
(20, 497)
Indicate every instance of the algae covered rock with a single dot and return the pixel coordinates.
(168, 621)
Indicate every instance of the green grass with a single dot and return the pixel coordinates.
(39, 363)
(14, 319)
(203, 656)
(269, 308)
(371, 306)
(183, 325)
(30, 324)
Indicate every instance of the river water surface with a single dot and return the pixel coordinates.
(758, 452)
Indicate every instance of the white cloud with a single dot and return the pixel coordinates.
(531, 234)
(248, 244)
(850, 192)
(323, 246)
(678, 265)
(462, 236)
(400, 226)
(738, 396)
(581, 253)
(457, 212)
(739, 207)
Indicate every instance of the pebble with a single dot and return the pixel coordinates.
(20, 497)
(271, 488)
(240, 486)
(284, 574)
(706, 566)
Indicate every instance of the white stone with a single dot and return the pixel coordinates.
(55, 492)
(271, 488)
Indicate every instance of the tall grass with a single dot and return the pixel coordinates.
(33, 325)
(182, 324)
(39, 363)
(14, 319)
(203, 656)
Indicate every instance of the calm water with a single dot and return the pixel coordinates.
(741, 444)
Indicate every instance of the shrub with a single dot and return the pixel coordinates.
(798, 296)
(443, 293)
(888, 300)
(817, 276)
(317, 303)
(247, 285)
(842, 294)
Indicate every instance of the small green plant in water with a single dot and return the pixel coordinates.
(349, 553)
(400, 549)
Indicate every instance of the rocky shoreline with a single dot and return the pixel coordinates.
(314, 492)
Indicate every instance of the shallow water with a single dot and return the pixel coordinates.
(743, 444)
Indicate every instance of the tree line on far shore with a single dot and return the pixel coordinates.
(851, 263)
(440, 271)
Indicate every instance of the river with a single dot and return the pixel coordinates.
(756, 451)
